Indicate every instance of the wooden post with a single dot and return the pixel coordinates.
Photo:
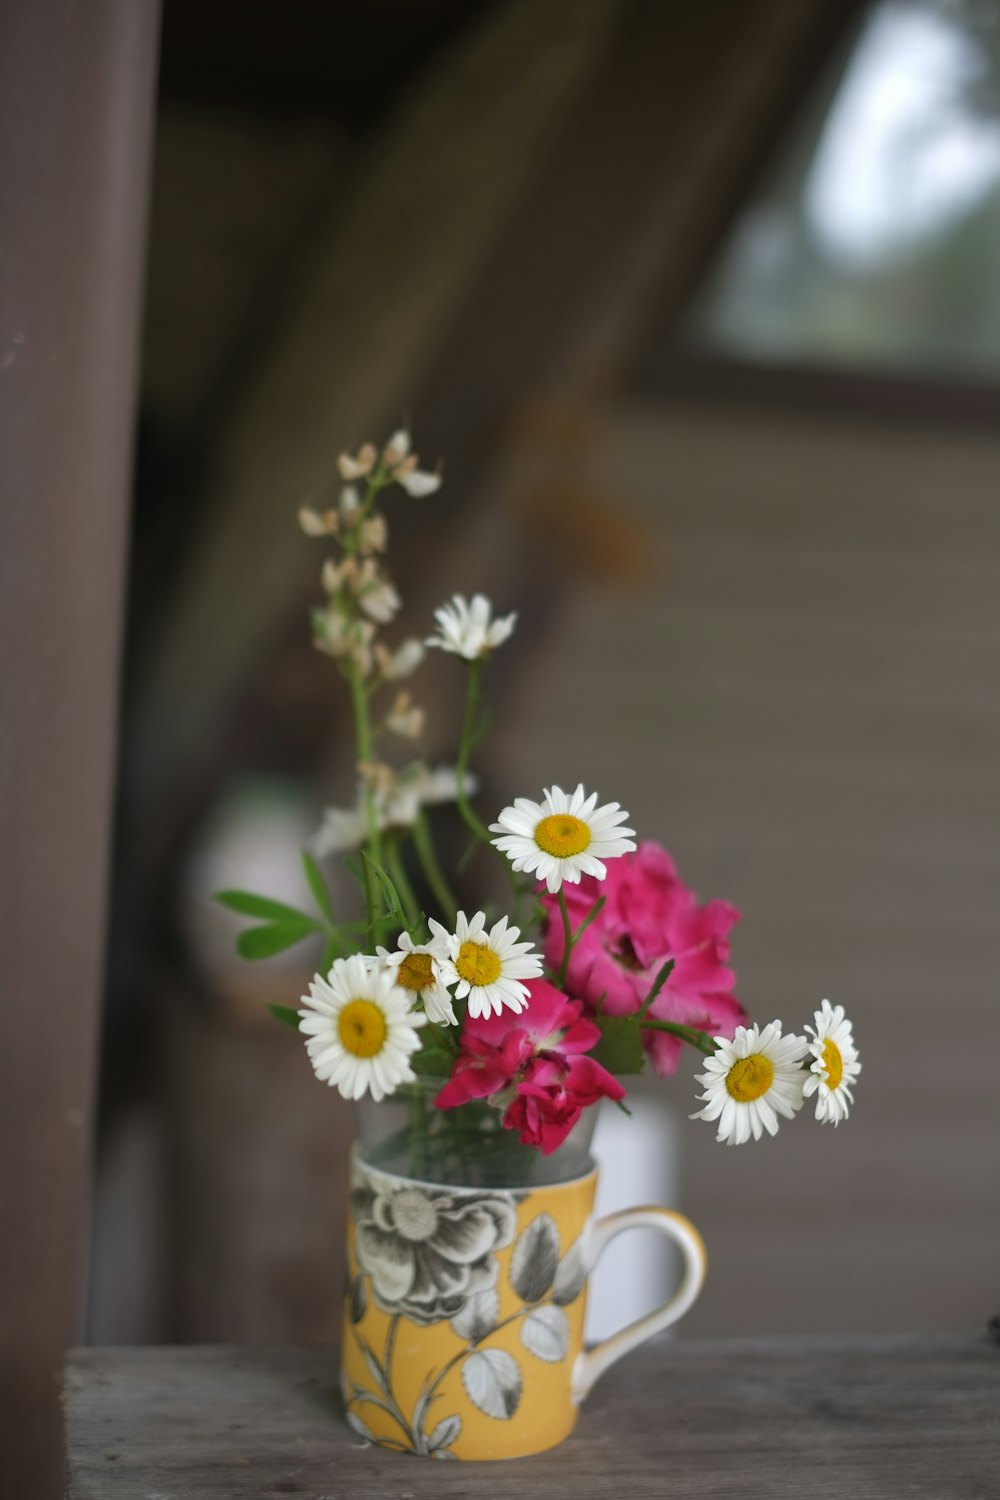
(77, 85)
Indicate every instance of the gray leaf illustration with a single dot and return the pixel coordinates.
(359, 1299)
(492, 1382)
(445, 1432)
(535, 1258)
(478, 1316)
(545, 1333)
(361, 1428)
(372, 1361)
(570, 1276)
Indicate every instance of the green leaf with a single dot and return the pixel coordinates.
(620, 1048)
(432, 1061)
(264, 942)
(389, 890)
(317, 885)
(285, 1015)
(249, 905)
(331, 952)
(658, 983)
(593, 913)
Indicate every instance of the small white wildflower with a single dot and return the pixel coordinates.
(396, 664)
(396, 449)
(337, 637)
(341, 830)
(397, 796)
(403, 466)
(418, 482)
(359, 465)
(466, 628)
(376, 595)
(315, 524)
(350, 502)
(405, 718)
(372, 535)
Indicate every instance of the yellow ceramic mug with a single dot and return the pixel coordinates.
(463, 1324)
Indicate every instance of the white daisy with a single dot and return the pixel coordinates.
(836, 1064)
(752, 1080)
(562, 837)
(486, 966)
(361, 1029)
(466, 629)
(416, 968)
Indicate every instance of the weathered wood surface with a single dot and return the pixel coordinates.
(854, 1419)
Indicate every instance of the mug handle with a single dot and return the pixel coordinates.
(591, 1363)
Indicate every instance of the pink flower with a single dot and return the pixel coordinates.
(649, 916)
(536, 1059)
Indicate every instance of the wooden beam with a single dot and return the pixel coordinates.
(652, 155)
(76, 106)
(391, 269)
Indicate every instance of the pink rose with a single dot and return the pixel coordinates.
(535, 1058)
(649, 916)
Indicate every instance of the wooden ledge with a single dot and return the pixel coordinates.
(848, 1419)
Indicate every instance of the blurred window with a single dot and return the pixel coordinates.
(875, 240)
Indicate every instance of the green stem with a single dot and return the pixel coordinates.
(400, 879)
(472, 820)
(424, 845)
(567, 939)
(690, 1034)
(359, 701)
(418, 1136)
(359, 704)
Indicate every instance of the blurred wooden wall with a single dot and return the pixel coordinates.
(800, 699)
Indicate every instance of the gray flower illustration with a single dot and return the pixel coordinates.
(428, 1249)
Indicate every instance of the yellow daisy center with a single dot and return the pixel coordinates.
(833, 1062)
(362, 1028)
(562, 835)
(477, 964)
(416, 972)
(749, 1078)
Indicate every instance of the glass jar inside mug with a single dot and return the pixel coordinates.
(468, 1258)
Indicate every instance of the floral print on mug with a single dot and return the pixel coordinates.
(428, 1256)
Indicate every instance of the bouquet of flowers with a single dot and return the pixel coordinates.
(499, 1030)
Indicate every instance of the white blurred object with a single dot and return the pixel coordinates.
(252, 841)
(638, 1158)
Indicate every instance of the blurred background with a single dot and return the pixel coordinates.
(699, 303)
